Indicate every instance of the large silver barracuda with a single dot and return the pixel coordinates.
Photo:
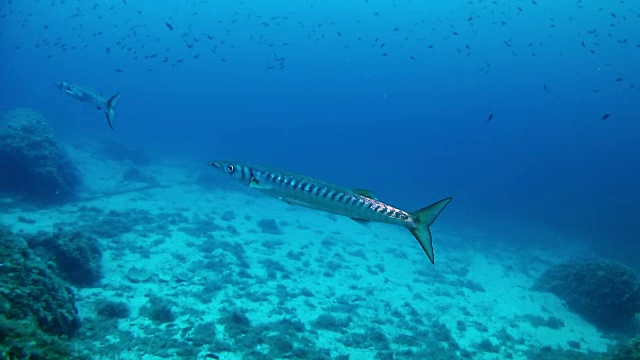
(359, 205)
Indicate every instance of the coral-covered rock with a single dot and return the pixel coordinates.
(77, 255)
(33, 164)
(605, 293)
(628, 350)
(22, 339)
(31, 290)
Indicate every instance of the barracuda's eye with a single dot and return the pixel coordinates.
(230, 169)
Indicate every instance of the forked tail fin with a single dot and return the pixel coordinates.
(424, 218)
(109, 111)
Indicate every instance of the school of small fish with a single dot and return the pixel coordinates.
(144, 36)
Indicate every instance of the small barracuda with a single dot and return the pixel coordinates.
(359, 205)
(93, 98)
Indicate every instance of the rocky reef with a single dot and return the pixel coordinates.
(77, 255)
(629, 350)
(35, 167)
(604, 292)
(37, 309)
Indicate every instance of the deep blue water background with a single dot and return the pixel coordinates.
(407, 120)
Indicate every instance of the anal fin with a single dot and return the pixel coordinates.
(360, 221)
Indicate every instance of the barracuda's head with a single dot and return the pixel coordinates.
(66, 87)
(63, 85)
(238, 171)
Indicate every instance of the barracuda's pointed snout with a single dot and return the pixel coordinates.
(215, 164)
(225, 166)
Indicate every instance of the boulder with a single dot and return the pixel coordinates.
(604, 292)
(30, 289)
(77, 255)
(34, 166)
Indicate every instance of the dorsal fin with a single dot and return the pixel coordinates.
(363, 192)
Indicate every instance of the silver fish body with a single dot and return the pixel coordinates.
(316, 194)
(92, 97)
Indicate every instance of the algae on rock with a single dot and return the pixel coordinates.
(34, 166)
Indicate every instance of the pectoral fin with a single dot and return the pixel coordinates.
(255, 184)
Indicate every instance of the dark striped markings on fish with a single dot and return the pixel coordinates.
(359, 205)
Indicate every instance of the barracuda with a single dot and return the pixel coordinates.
(359, 205)
(93, 98)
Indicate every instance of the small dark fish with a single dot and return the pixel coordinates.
(546, 88)
(169, 26)
(605, 116)
(490, 117)
(118, 70)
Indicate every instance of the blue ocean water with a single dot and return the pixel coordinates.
(525, 112)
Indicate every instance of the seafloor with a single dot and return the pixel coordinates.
(193, 267)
